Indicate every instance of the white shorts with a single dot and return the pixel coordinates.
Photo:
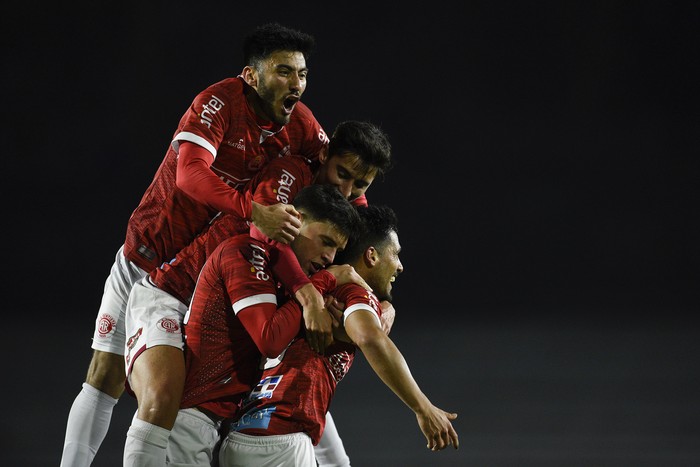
(292, 450)
(194, 440)
(153, 317)
(110, 333)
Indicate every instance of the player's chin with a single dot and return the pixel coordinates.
(312, 269)
(284, 115)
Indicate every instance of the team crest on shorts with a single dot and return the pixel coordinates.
(169, 325)
(106, 325)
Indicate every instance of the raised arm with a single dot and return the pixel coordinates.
(388, 363)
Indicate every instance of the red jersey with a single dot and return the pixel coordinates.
(221, 121)
(296, 389)
(278, 183)
(232, 321)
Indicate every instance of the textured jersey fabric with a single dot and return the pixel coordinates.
(220, 120)
(296, 389)
(279, 182)
(233, 321)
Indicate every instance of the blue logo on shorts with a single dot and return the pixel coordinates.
(259, 418)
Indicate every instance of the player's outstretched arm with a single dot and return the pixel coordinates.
(389, 364)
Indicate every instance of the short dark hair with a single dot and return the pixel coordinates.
(366, 140)
(376, 224)
(272, 37)
(325, 203)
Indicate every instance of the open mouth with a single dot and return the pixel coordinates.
(289, 103)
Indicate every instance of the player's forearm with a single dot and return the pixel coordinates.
(389, 364)
(280, 329)
(197, 180)
(311, 300)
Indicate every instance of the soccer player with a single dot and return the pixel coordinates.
(284, 415)
(230, 132)
(233, 318)
(358, 152)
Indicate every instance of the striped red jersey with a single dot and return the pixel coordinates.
(219, 120)
(296, 389)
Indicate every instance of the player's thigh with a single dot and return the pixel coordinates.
(109, 334)
(106, 373)
(159, 370)
(154, 328)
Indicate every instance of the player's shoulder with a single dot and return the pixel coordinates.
(357, 296)
(303, 117)
(290, 160)
(242, 249)
(234, 83)
(226, 89)
(243, 240)
(352, 290)
(302, 110)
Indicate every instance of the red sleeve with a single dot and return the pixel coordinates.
(286, 268)
(324, 281)
(197, 180)
(272, 328)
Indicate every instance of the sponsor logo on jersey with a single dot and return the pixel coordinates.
(209, 110)
(323, 136)
(285, 186)
(168, 325)
(265, 387)
(106, 325)
(258, 262)
(240, 144)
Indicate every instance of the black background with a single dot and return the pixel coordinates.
(546, 182)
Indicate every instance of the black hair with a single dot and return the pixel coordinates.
(366, 140)
(272, 37)
(325, 203)
(376, 224)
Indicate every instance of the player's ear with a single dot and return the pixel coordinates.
(371, 256)
(323, 155)
(250, 76)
